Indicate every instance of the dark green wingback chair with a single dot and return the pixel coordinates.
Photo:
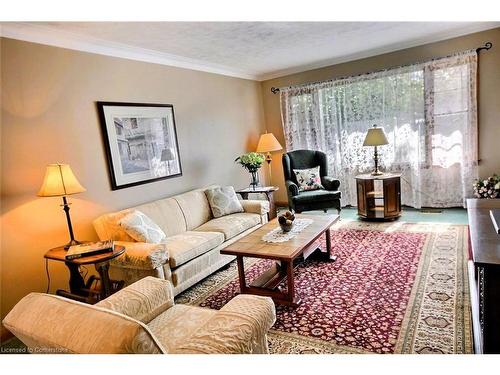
(315, 199)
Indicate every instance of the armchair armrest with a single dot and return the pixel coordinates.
(240, 327)
(143, 300)
(260, 207)
(330, 183)
(141, 255)
(292, 188)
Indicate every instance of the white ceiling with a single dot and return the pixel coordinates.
(254, 50)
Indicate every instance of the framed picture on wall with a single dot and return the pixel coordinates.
(140, 142)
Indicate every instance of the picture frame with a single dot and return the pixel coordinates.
(140, 140)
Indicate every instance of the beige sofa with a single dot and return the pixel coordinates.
(141, 318)
(191, 250)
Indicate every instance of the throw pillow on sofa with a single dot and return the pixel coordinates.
(223, 201)
(141, 228)
(308, 179)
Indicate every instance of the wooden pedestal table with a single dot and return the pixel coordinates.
(379, 202)
(286, 254)
(79, 289)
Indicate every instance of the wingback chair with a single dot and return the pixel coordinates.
(321, 199)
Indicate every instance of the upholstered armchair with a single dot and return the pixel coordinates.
(141, 318)
(321, 199)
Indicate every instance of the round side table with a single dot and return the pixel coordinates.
(79, 289)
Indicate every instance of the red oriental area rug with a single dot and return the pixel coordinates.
(395, 288)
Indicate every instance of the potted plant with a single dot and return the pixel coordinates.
(252, 161)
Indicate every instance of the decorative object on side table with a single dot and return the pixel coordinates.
(252, 161)
(488, 188)
(59, 181)
(375, 137)
(286, 221)
(85, 291)
(141, 142)
(267, 144)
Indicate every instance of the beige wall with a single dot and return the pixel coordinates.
(489, 92)
(49, 115)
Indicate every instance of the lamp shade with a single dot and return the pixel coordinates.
(268, 143)
(375, 137)
(59, 180)
(167, 154)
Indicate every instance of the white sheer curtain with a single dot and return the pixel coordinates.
(429, 114)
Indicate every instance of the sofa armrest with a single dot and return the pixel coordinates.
(240, 327)
(143, 300)
(141, 255)
(330, 183)
(260, 207)
(292, 188)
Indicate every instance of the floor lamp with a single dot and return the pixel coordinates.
(59, 181)
(167, 155)
(267, 144)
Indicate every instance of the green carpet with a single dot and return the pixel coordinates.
(410, 215)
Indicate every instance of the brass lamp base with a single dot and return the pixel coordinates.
(376, 171)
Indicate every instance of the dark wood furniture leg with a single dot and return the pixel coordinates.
(272, 205)
(244, 196)
(241, 274)
(328, 239)
(76, 282)
(103, 270)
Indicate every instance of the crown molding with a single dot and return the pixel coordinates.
(437, 37)
(34, 33)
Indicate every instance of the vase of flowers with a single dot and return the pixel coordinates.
(488, 188)
(252, 161)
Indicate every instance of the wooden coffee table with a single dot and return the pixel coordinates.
(286, 254)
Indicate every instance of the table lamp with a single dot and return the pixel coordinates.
(59, 181)
(375, 137)
(167, 155)
(267, 144)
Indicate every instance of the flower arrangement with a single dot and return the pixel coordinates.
(251, 161)
(488, 188)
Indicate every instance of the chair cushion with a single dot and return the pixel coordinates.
(178, 324)
(316, 196)
(231, 225)
(188, 245)
(223, 201)
(141, 228)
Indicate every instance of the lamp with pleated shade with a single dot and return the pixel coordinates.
(267, 144)
(375, 137)
(59, 181)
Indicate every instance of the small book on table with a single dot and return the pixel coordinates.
(89, 249)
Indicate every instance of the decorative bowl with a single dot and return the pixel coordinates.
(286, 221)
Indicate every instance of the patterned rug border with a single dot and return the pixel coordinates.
(406, 337)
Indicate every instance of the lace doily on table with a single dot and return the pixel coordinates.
(277, 234)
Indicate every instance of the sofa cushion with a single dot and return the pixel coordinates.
(223, 201)
(316, 195)
(141, 228)
(231, 225)
(188, 245)
(195, 208)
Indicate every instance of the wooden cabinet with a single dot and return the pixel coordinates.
(484, 275)
(379, 197)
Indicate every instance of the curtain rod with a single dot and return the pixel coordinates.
(486, 47)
